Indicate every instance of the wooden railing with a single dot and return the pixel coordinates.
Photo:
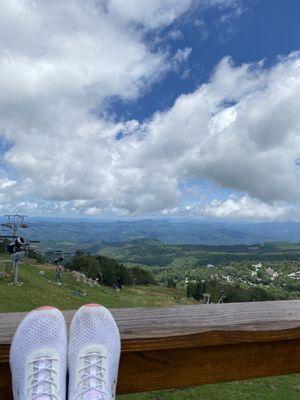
(176, 347)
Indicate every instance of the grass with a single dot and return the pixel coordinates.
(279, 388)
(38, 290)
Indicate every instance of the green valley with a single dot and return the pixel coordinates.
(223, 267)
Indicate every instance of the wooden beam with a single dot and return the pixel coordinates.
(193, 345)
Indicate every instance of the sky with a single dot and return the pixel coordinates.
(173, 108)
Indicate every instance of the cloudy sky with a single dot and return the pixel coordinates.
(152, 107)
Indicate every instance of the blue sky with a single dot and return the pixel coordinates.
(172, 108)
(264, 30)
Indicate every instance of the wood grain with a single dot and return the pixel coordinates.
(193, 345)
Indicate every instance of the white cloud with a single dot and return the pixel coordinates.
(59, 60)
(182, 55)
(241, 130)
(61, 63)
(234, 208)
(6, 183)
(151, 13)
(244, 208)
(175, 34)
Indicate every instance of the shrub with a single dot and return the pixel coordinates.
(109, 271)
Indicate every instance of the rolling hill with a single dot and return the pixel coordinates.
(39, 288)
(71, 233)
(156, 253)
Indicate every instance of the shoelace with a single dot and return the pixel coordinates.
(42, 382)
(92, 376)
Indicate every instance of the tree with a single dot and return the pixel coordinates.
(109, 271)
(140, 276)
(90, 266)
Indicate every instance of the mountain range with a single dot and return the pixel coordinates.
(74, 232)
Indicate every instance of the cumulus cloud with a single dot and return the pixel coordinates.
(151, 13)
(62, 62)
(233, 207)
(5, 183)
(245, 208)
(239, 130)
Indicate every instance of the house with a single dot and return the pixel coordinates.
(294, 275)
(273, 274)
(257, 266)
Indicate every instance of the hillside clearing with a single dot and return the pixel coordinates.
(37, 290)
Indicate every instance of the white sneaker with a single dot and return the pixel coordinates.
(38, 356)
(93, 354)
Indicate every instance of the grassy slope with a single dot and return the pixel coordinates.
(37, 291)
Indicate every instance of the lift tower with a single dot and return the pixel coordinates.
(14, 223)
(19, 247)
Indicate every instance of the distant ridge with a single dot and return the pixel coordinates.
(88, 231)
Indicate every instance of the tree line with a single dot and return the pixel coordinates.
(109, 271)
(236, 292)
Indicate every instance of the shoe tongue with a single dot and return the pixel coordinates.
(93, 394)
(43, 397)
